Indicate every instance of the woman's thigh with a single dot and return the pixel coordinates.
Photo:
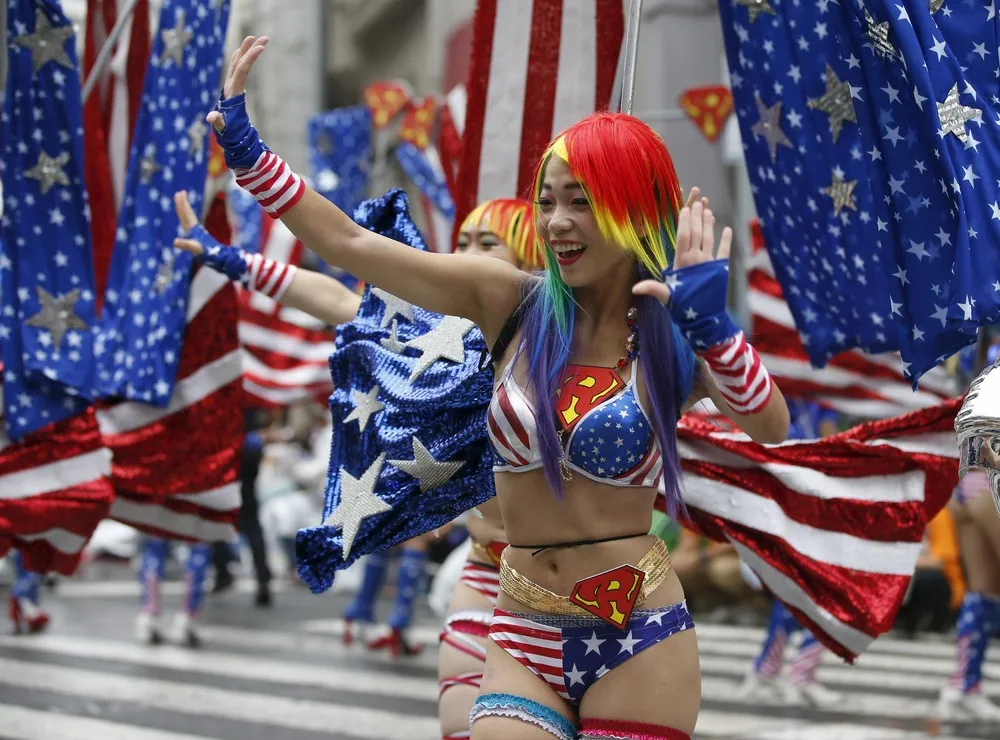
(505, 675)
(455, 702)
(982, 567)
(659, 686)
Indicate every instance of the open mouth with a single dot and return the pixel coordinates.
(568, 252)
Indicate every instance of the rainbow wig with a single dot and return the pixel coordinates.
(512, 220)
(630, 182)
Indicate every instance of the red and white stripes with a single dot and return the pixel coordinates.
(537, 67)
(272, 182)
(270, 277)
(742, 378)
(538, 648)
(832, 527)
(482, 578)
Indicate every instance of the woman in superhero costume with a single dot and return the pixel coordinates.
(595, 362)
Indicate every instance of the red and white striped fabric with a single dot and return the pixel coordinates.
(832, 527)
(54, 491)
(176, 469)
(534, 645)
(109, 116)
(482, 578)
(853, 383)
(273, 183)
(741, 377)
(287, 350)
(537, 67)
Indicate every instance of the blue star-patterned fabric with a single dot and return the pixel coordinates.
(46, 266)
(426, 177)
(442, 410)
(145, 309)
(870, 135)
(340, 155)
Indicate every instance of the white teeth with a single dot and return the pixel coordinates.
(570, 250)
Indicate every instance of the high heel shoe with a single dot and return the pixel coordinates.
(28, 618)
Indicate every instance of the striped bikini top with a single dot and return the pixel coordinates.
(610, 438)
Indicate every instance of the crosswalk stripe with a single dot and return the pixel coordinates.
(215, 663)
(20, 723)
(197, 699)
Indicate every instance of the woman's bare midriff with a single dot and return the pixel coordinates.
(589, 510)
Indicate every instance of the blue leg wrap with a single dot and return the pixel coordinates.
(526, 710)
(362, 609)
(25, 582)
(408, 585)
(195, 576)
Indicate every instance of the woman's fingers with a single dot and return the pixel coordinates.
(697, 226)
(708, 232)
(216, 120)
(693, 196)
(185, 212)
(683, 244)
(244, 65)
(234, 63)
(189, 245)
(725, 243)
(653, 288)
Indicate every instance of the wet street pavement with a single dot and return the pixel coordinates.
(265, 674)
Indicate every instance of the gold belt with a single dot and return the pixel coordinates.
(655, 564)
(490, 554)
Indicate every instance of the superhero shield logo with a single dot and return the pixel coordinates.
(585, 387)
(610, 595)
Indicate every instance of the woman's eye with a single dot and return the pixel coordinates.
(581, 202)
(544, 203)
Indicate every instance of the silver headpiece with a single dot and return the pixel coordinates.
(978, 428)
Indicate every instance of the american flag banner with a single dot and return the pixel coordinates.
(109, 117)
(176, 469)
(870, 133)
(47, 293)
(287, 351)
(340, 155)
(54, 491)
(420, 160)
(537, 67)
(449, 140)
(852, 382)
(246, 217)
(832, 527)
(142, 328)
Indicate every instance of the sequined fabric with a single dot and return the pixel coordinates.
(443, 408)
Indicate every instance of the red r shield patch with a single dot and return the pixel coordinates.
(610, 595)
(585, 387)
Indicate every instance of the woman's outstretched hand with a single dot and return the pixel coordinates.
(240, 64)
(188, 220)
(695, 244)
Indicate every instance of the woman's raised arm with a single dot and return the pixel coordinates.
(481, 289)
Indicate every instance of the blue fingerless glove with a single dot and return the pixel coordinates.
(698, 303)
(239, 140)
(230, 261)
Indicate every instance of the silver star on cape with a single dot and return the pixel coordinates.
(357, 502)
(366, 405)
(148, 166)
(197, 132)
(47, 43)
(164, 275)
(842, 193)
(49, 171)
(769, 126)
(446, 341)
(392, 342)
(57, 315)
(430, 472)
(393, 307)
(953, 115)
(936, 5)
(878, 34)
(836, 102)
(756, 7)
(175, 40)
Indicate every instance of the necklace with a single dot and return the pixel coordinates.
(631, 352)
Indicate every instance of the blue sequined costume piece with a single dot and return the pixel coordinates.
(412, 455)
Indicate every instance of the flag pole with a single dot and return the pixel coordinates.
(630, 56)
(109, 46)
